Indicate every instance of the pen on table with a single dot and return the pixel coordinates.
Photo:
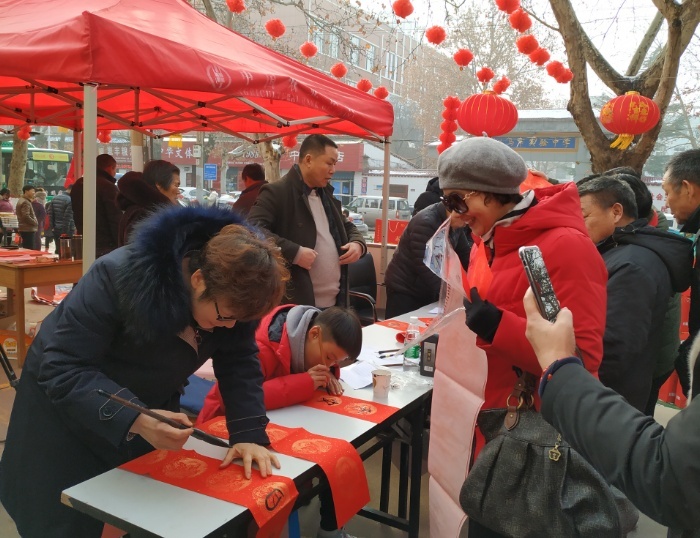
(196, 433)
(382, 352)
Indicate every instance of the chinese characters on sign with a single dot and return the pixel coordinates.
(538, 143)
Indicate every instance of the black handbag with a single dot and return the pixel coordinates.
(528, 483)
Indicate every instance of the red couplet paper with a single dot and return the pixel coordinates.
(351, 407)
(270, 499)
(337, 458)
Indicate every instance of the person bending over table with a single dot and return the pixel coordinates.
(191, 285)
(300, 348)
(656, 468)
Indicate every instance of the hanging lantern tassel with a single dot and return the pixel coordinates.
(463, 58)
(308, 49)
(435, 35)
(364, 85)
(402, 8)
(289, 141)
(275, 28)
(381, 92)
(339, 70)
(627, 116)
(520, 20)
(236, 6)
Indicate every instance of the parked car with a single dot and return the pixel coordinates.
(189, 194)
(370, 207)
(359, 222)
(227, 200)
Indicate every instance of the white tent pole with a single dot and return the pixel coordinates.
(89, 174)
(77, 155)
(385, 208)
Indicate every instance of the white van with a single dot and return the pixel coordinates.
(370, 207)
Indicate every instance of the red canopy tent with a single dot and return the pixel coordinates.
(160, 64)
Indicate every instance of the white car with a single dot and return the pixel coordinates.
(227, 200)
(189, 194)
(359, 222)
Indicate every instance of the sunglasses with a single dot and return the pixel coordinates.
(219, 317)
(456, 203)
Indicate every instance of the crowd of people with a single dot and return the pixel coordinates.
(263, 291)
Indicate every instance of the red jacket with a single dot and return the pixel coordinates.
(282, 388)
(578, 275)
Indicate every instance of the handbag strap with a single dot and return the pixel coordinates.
(521, 398)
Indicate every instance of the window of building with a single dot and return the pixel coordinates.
(317, 39)
(355, 50)
(370, 57)
(390, 70)
(333, 45)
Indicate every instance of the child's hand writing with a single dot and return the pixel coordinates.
(319, 374)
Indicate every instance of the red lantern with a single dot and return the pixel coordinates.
(339, 70)
(485, 74)
(104, 136)
(487, 113)
(508, 5)
(527, 44)
(565, 77)
(289, 141)
(236, 6)
(629, 115)
(402, 8)
(24, 132)
(447, 138)
(275, 28)
(502, 85)
(451, 101)
(364, 85)
(308, 49)
(520, 20)
(450, 114)
(540, 56)
(555, 69)
(463, 57)
(435, 35)
(381, 92)
(449, 126)
(442, 147)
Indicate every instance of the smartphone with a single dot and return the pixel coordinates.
(541, 285)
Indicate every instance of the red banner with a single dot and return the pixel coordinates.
(351, 407)
(270, 499)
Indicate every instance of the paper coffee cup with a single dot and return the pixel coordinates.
(381, 381)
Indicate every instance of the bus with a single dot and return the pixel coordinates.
(46, 168)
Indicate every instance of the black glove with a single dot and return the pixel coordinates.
(482, 317)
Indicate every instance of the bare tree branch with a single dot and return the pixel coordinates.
(645, 45)
(539, 19)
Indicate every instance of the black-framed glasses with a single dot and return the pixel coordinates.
(456, 203)
(219, 317)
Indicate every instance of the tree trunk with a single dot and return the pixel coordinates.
(271, 159)
(18, 165)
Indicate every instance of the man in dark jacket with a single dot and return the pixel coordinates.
(107, 212)
(253, 176)
(306, 221)
(409, 283)
(644, 266)
(61, 214)
(431, 196)
(682, 187)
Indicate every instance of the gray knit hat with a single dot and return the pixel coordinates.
(481, 164)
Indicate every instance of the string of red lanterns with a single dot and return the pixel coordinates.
(435, 35)
(364, 85)
(308, 49)
(24, 132)
(402, 8)
(449, 126)
(339, 70)
(381, 92)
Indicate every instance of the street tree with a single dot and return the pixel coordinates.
(657, 80)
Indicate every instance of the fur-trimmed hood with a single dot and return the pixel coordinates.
(153, 295)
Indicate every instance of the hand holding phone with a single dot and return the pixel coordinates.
(539, 280)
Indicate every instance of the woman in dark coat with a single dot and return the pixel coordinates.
(409, 283)
(140, 194)
(191, 285)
